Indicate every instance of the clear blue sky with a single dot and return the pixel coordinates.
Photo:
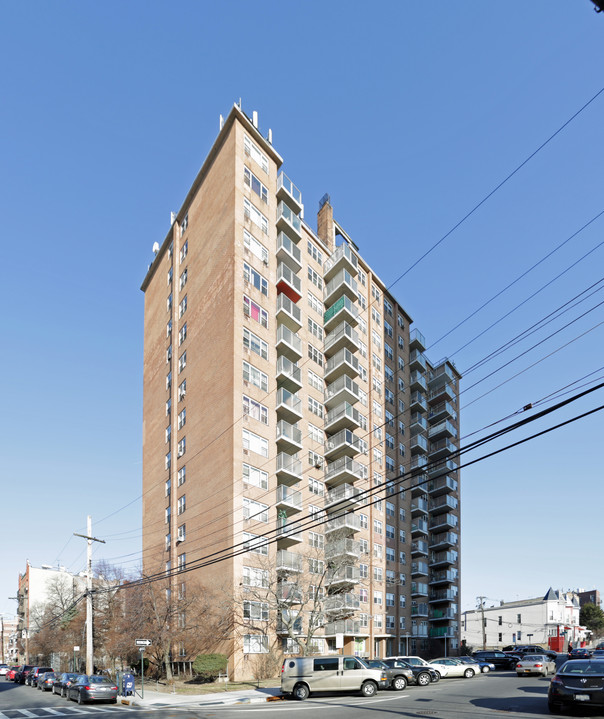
(408, 113)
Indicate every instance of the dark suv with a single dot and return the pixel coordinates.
(499, 659)
(32, 679)
(22, 673)
(522, 649)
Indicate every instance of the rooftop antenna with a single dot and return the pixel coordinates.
(255, 119)
(155, 248)
(221, 122)
(270, 136)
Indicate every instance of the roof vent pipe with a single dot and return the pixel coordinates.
(255, 119)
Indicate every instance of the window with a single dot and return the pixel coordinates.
(182, 418)
(290, 646)
(182, 361)
(182, 476)
(255, 278)
(255, 644)
(254, 184)
(168, 460)
(255, 247)
(387, 307)
(315, 303)
(182, 307)
(390, 554)
(169, 354)
(378, 551)
(316, 540)
(252, 213)
(168, 487)
(400, 322)
(364, 546)
(255, 376)
(378, 598)
(254, 343)
(377, 385)
(363, 305)
(401, 343)
(389, 531)
(255, 476)
(258, 611)
(255, 510)
(252, 150)
(378, 456)
(253, 310)
(389, 576)
(182, 562)
(375, 293)
(375, 316)
(316, 487)
(169, 328)
(364, 571)
(362, 277)
(169, 303)
(170, 273)
(389, 464)
(315, 355)
(377, 526)
(377, 431)
(376, 339)
(315, 407)
(184, 224)
(182, 591)
(389, 441)
(184, 250)
(182, 504)
(315, 253)
(363, 373)
(316, 566)
(255, 409)
(519, 618)
(315, 512)
(378, 574)
(401, 406)
(182, 447)
(401, 384)
(402, 558)
(389, 599)
(315, 278)
(315, 381)
(314, 459)
(362, 325)
(362, 349)
(182, 334)
(377, 408)
(182, 390)
(253, 443)
(402, 514)
(253, 577)
(254, 543)
(401, 449)
(389, 396)
(388, 329)
(315, 329)
(363, 596)
(363, 521)
(500, 620)
(316, 434)
(183, 278)
(389, 372)
(168, 433)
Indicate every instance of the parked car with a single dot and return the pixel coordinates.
(597, 654)
(421, 675)
(91, 688)
(522, 649)
(302, 675)
(63, 682)
(27, 676)
(455, 668)
(535, 664)
(419, 662)
(32, 678)
(398, 676)
(578, 682)
(22, 672)
(485, 666)
(46, 681)
(10, 674)
(500, 659)
(580, 653)
(4, 670)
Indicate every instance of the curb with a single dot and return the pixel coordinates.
(233, 702)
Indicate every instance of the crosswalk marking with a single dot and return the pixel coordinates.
(26, 713)
(54, 712)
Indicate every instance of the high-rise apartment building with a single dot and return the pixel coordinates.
(290, 414)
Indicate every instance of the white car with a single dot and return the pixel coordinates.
(4, 670)
(455, 668)
(419, 662)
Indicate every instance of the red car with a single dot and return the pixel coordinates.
(10, 674)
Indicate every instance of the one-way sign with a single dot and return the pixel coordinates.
(142, 642)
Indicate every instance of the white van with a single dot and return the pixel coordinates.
(302, 675)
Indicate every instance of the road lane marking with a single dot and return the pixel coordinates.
(55, 712)
(26, 713)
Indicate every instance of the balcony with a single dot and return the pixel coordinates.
(289, 469)
(341, 390)
(441, 448)
(444, 410)
(342, 604)
(418, 381)
(444, 540)
(344, 443)
(417, 361)
(417, 340)
(419, 631)
(419, 548)
(443, 559)
(343, 362)
(289, 437)
(344, 470)
(289, 406)
(289, 222)
(288, 500)
(442, 485)
(288, 283)
(418, 444)
(445, 392)
(288, 561)
(443, 373)
(344, 626)
(442, 430)
(419, 507)
(419, 589)
(447, 576)
(442, 468)
(343, 283)
(288, 533)
(419, 528)
(341, 310)
(443, 521)
(440, 614)
(440, 632)
(443, 595)
(418, 484)
(289, 593)
(346, 496)
(288, 313)
(417, 402)
(444, 503)
(418, 424)
(288, 192)
(345, 523)
(419, 610)
(343, 551)
(342, 577)
(288, 343)
(419, 568)
(288, 374)
(418, 462)
(341, 337)
(288, 253)
(344, 416)
(342, 259)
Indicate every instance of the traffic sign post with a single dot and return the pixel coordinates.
(141, 644)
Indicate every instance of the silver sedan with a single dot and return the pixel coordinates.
(535, 664)
(455, 668)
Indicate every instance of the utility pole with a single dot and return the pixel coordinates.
(480, 600)
(89, 645)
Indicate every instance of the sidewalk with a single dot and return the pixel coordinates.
(165, 699)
